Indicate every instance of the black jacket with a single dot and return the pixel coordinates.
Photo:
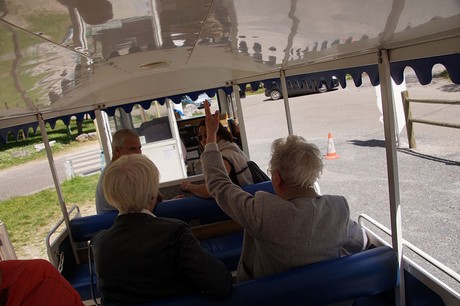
(142, 258)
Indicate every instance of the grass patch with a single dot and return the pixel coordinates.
(53, 25)
(259, 90)
(30, 218)
(443, 74)
(17, 152)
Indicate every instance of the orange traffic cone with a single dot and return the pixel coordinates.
(331, 154)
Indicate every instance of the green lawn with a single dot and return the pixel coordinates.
(30, 218)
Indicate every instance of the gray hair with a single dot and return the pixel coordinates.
(298, 162)
(119, 138)
(130, 183)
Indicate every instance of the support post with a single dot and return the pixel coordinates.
(388, 107)
(57, 184)
(409, 123)
(241, 124)
(102, 135)
(175, 134)
(6, 247)
(286, 102)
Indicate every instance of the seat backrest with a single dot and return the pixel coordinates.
(186, 209)
(359, 275)
(366, 273)
(84, 228)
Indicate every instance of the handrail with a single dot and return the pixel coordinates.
(412, 247)
(55, 228)
(60, 221)
(410, 120)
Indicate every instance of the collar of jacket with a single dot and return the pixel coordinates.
(143, 211)
(297, 192)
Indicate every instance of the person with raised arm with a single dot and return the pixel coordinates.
(291, 228)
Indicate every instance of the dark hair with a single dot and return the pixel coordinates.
(222, 131)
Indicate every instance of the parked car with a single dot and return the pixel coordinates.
(298, 87)
(199, 102)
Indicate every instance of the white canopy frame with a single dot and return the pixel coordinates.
(57, 184)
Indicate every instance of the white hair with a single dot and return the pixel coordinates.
(130, 183)
(298, 162)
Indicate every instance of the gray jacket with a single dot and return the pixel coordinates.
(102, 206)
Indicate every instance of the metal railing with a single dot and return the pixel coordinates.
(410, 120)
(429, 259)
(6, 247)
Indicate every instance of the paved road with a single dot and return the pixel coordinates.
(23, 179)
(429, 175)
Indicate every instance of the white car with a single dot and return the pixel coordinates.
(199, 102)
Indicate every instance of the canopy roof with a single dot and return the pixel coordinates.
(60, 58)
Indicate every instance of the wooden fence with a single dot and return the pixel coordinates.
(410, 120)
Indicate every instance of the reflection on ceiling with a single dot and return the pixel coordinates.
(74, 55)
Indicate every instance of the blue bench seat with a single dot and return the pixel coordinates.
(368, 273)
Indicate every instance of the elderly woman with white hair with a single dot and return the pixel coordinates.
(143, 257)
(291, 228)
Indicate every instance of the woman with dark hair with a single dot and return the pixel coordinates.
(235, 161)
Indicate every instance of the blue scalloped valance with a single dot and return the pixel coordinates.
(25, 128)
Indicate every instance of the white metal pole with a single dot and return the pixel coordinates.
(57, 185)
(286, 102)
(241, 124)
(103, 135)
(176, 136)
(388, 108)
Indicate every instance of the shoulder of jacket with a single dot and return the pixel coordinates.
(172, 222)
(336, 198)
(228, 145)
(264, 195)
(339, 202)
